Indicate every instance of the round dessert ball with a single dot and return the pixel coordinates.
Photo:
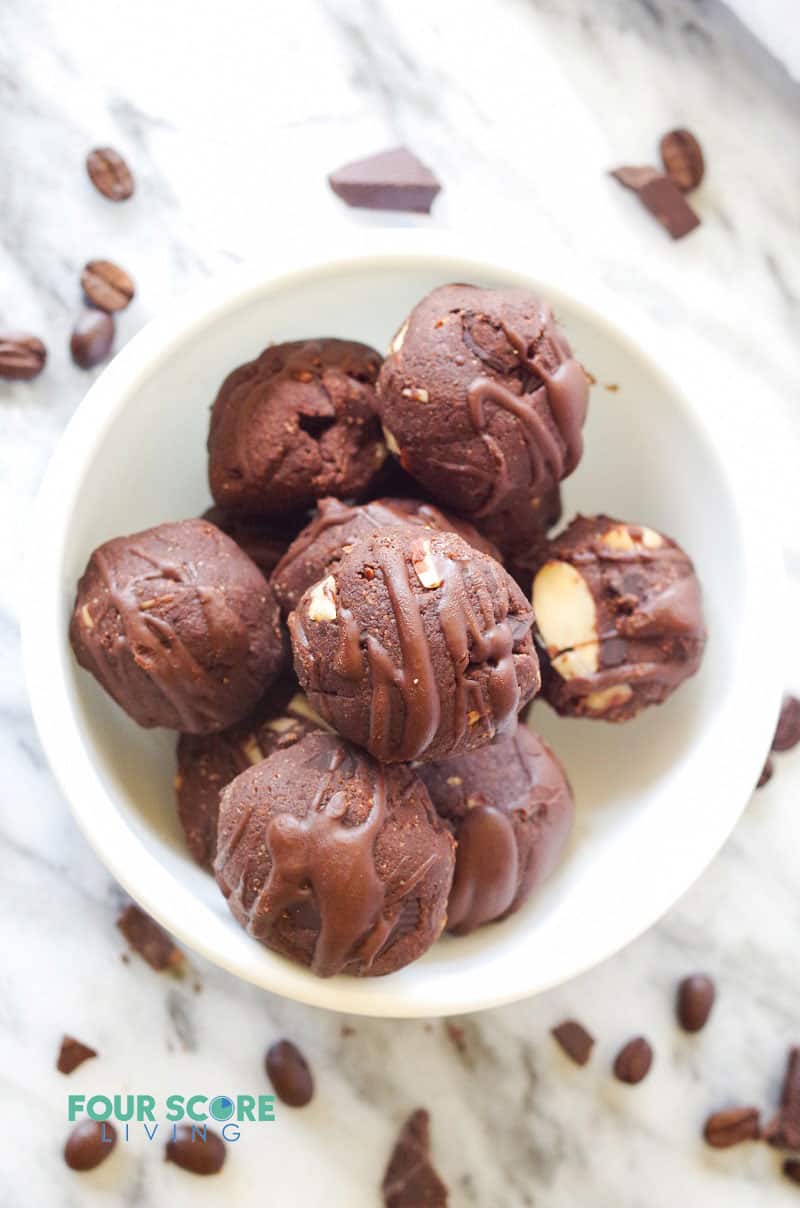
(619, 618)
(333, 860)
(179, 626)
(520, 531)
(510, 808)
(207, 763)
(294, 425)
(336, 526)
(481, 398)
(265, 539)
(417, 646)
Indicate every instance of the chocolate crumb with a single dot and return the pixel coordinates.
(787, 734)
(72, 1054)
(150, 940)
(576, 1042)
(783, 1130)
(661, 196)
(766, 774)
(457, 1036)
(410, 1180)
(390, 180)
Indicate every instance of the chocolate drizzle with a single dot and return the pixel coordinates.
(487, 869)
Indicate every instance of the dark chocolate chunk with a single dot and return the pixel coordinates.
(694, 1001)
(576, 1042)
(661, 196)
(148, 939)
(791, 1168)
(289, 1073)
(410, 1180)
(109, 173)
(92, 338)
(106, 285)
(766, 774)
(72, 1054)
(730, 1127)
(89, 1144)
(783, 1130)
(22, 356)
(682, 157)
(196, 1151)
(391, 180)
(787, 735)
(633, 1061)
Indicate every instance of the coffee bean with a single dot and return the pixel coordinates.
(783, 1131)
(576, 1042)
(92, 337)
(732, 1126)
(791, 1168)
(766, 774)
(694, 1001)
(106, 285)
(72, 1054)
(289, 1073)
(89, 1144)
(191, 1152)
(633, 1061)
(109, 173)
(22, 356)
(787, 735)
(682, 157)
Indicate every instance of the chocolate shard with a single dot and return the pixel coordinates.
(573, 1038)
(72, 1054)
(661, 196)
(390, 180)
(148, 939)
(410, 1180)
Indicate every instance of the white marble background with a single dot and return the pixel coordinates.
(231, 116)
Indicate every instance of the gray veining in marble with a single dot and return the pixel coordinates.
(231, 116)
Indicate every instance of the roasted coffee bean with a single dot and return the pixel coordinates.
(732, 1126)
(150, 940)
(787, 735)
(576, 1042)
(22, 356)
(195, 1151)
(72, 1054)
(106, 285)
(766, 774)
(694, 1001)
(92, 338)
(109, 173)
(89, 1144)
(791, 1168)
(633, 1061)
(682, 157)
(783, 1131)
(289, 1073)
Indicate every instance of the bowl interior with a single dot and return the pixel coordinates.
(647, 817)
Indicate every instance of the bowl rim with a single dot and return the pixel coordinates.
(45, 658)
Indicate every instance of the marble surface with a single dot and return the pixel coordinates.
(231, 118)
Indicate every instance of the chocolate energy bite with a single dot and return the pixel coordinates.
(209, 762)
(333, 860)
(481, 399)
(265, 539)
(619, 618)
(294, 425)
(417, 646)
(179, 626)
(337, 526)
(510, 808)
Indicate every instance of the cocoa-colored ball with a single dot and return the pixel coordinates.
(510, 807)
(296, 424)
(333, 860)
(481, 399)
(179, 626)
(265, 539)
(417, 646)
(207, 763)
(619, 618)
(337, 526)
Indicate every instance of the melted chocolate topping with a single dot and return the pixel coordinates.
(487, 869)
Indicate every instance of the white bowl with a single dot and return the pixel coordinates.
(656, 797)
